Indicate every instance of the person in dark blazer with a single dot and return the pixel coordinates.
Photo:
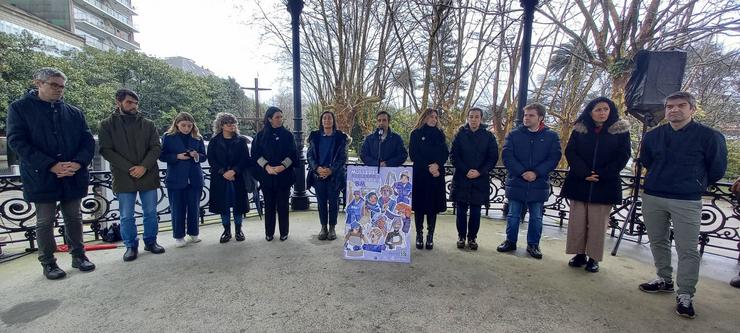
(530, 153)
(275, 152)
(228, 157)
(383, 147)
(598, 149)
(474, 154)
(55, 147)
(428, 150)
(183, 150)
(327, 154)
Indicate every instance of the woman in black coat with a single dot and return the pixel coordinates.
(327, 154)
(275, 152)
(228, 157)
(428, 150)
(598, 149)
(474, 154)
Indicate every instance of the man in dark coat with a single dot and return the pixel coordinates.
(383, 147)
(131, 144)
(55, 147)
(530, 153)
(682, 158)
(474, 154)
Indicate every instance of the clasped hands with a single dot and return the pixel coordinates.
(65, 169)
(323, 172)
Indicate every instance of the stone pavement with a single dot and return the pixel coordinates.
(303, 285)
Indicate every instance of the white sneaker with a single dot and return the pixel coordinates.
(193, 239)
(180, 242)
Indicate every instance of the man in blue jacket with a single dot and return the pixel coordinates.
(383, 147)
(530, 153)
(682, 158)
(55, 147)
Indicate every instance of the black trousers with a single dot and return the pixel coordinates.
(419, 221)
(276, 201)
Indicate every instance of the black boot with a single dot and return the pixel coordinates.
(419, 240)
(323, 233)
(592, 265)
(332, 232)
(578, 260)
(53, 272)
(430, 241)
(238, 232)
(226, 235)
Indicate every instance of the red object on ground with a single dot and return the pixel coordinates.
(88, 247)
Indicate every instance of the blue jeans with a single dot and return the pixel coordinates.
(126, 204)
(328, 201)
(185, 207)
(227, 223)
(467, 228)
(534, 231)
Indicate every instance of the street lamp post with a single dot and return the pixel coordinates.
(299, 198)
(528, 6)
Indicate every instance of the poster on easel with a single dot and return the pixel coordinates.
(378, 217)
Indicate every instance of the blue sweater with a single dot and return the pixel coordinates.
(681, 164)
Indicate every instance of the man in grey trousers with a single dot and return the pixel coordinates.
(682, 158)
(55, 147)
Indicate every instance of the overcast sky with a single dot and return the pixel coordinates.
(214, 34)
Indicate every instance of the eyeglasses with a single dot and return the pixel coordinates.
(55, 85)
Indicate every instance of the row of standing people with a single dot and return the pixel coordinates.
(55, 147)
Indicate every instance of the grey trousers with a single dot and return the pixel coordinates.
(658, 214)
(46, 216)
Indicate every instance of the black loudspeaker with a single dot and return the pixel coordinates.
(657, 74)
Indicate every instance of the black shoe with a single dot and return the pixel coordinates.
(238, 234)
(592, 265)
(269, 238)
(226, 235)
(82, 263)
(419, 240)
(506, 246)
(53, 272)
(735, 282)
(578, 260)
(461, 243)
(684, 306)
(323, 233)
(332, 233)
(283, 238)
(534, 251)
(430, 241)
(154, 248)
(131, 254)
(657, 285)
(472, 244)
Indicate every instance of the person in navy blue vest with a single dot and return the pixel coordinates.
(474, 154)
(383, 147)
(274, 150)
(228, 157)
(530, 153)
(327, 154)
(55, 147)
(183, 150)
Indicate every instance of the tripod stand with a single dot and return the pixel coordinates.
(631, 217)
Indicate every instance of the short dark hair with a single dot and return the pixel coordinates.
(682, 95)
(383, 113)
(475, 108)
(537, 107)
(123, 92)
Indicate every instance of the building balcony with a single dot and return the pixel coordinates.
(98, 30)
(124, 6)
(98, 8)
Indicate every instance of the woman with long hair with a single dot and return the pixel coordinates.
(228, 156)
(598, 149)
(275, 153)
(327, 154)
(183, 150)
(428, 150)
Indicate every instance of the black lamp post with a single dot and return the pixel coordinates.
(528, 6)
(299, 199)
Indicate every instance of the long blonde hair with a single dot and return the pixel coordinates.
(423, 117)
(184, 116)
